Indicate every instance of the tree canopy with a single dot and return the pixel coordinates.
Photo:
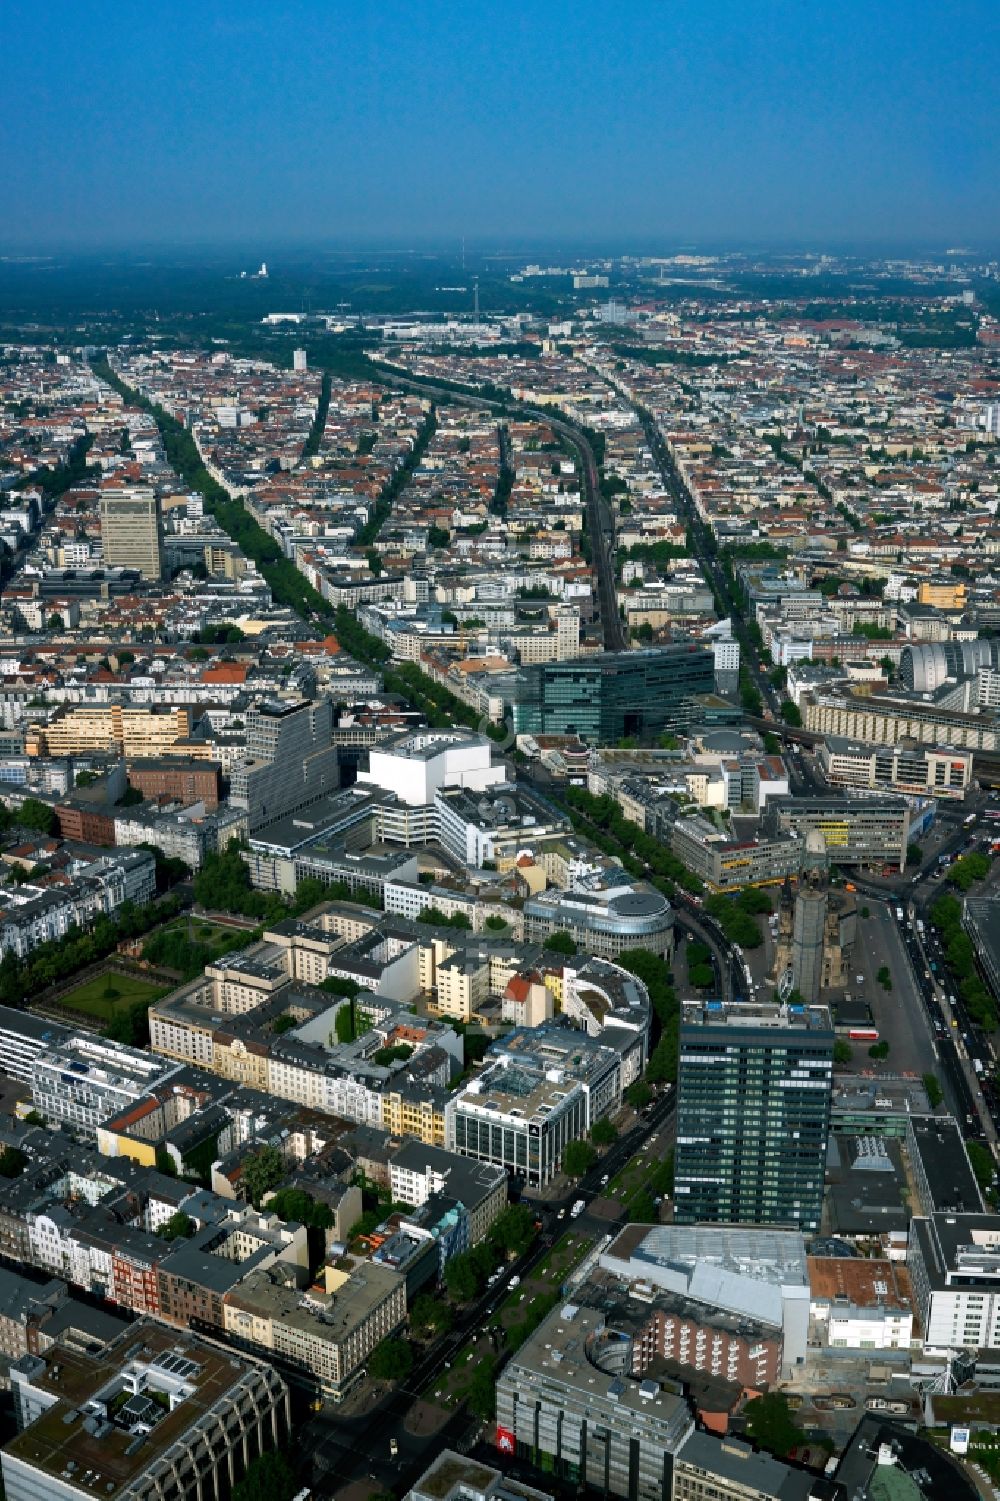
(34, 814)
(578, 1158)
(392, 1360)
(560, 942)
(430, 1315)
(294, 1205)
(269, 1478)
(262, 1170)
(179, 1226)
(770, 1424)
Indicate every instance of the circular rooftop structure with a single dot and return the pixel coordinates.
(639, 904)
(610, 1350)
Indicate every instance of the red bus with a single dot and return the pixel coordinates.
(863, 1034)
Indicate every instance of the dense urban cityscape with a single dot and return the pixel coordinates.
(499, 752)
(499, 926)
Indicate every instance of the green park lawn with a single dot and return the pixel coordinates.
(111, 993)
(215, 936)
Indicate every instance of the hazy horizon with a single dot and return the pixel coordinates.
(451, 248)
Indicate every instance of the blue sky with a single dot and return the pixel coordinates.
(683, 121)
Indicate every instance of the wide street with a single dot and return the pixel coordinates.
(899, 1013)
(600, 523)
(355, 1447)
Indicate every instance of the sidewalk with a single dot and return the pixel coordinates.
(424, 1419)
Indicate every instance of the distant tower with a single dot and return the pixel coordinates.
(463, 255)
(809, 928)
(130, 529)
(262, 273)
(299, 359)
(476, 302)
(786, 925)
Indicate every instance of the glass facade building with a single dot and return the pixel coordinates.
(611, 696)
(753, 1114)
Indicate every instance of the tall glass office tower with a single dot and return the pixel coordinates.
(753, 1114)
(610, 696)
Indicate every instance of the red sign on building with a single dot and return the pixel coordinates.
(506, 1442)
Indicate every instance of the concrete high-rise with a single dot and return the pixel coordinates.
(809, 927)
(809, 923)
(291, 762)
(131, 530)
(816, 930)
(753, 1114)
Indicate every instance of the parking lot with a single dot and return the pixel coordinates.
(899, 1013)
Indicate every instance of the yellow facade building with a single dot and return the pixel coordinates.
(943, 594)
(134, 732)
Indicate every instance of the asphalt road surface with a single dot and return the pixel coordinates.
(900, 1013)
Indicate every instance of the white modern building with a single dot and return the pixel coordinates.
(542, 1087)
(23, 1038)
(414, 766)
(83, 1080)
(954, 1266)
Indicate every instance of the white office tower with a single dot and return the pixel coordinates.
(567, 633)
(299, 359)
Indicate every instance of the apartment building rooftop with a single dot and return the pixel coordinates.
(736, 1014)
(456, 1477)
(467, 1180)
(749, 1470)
(941, 1162)
(424, 745)
(219, 1256)
(558, 1353)
(328, 1316)
(114, 1415)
